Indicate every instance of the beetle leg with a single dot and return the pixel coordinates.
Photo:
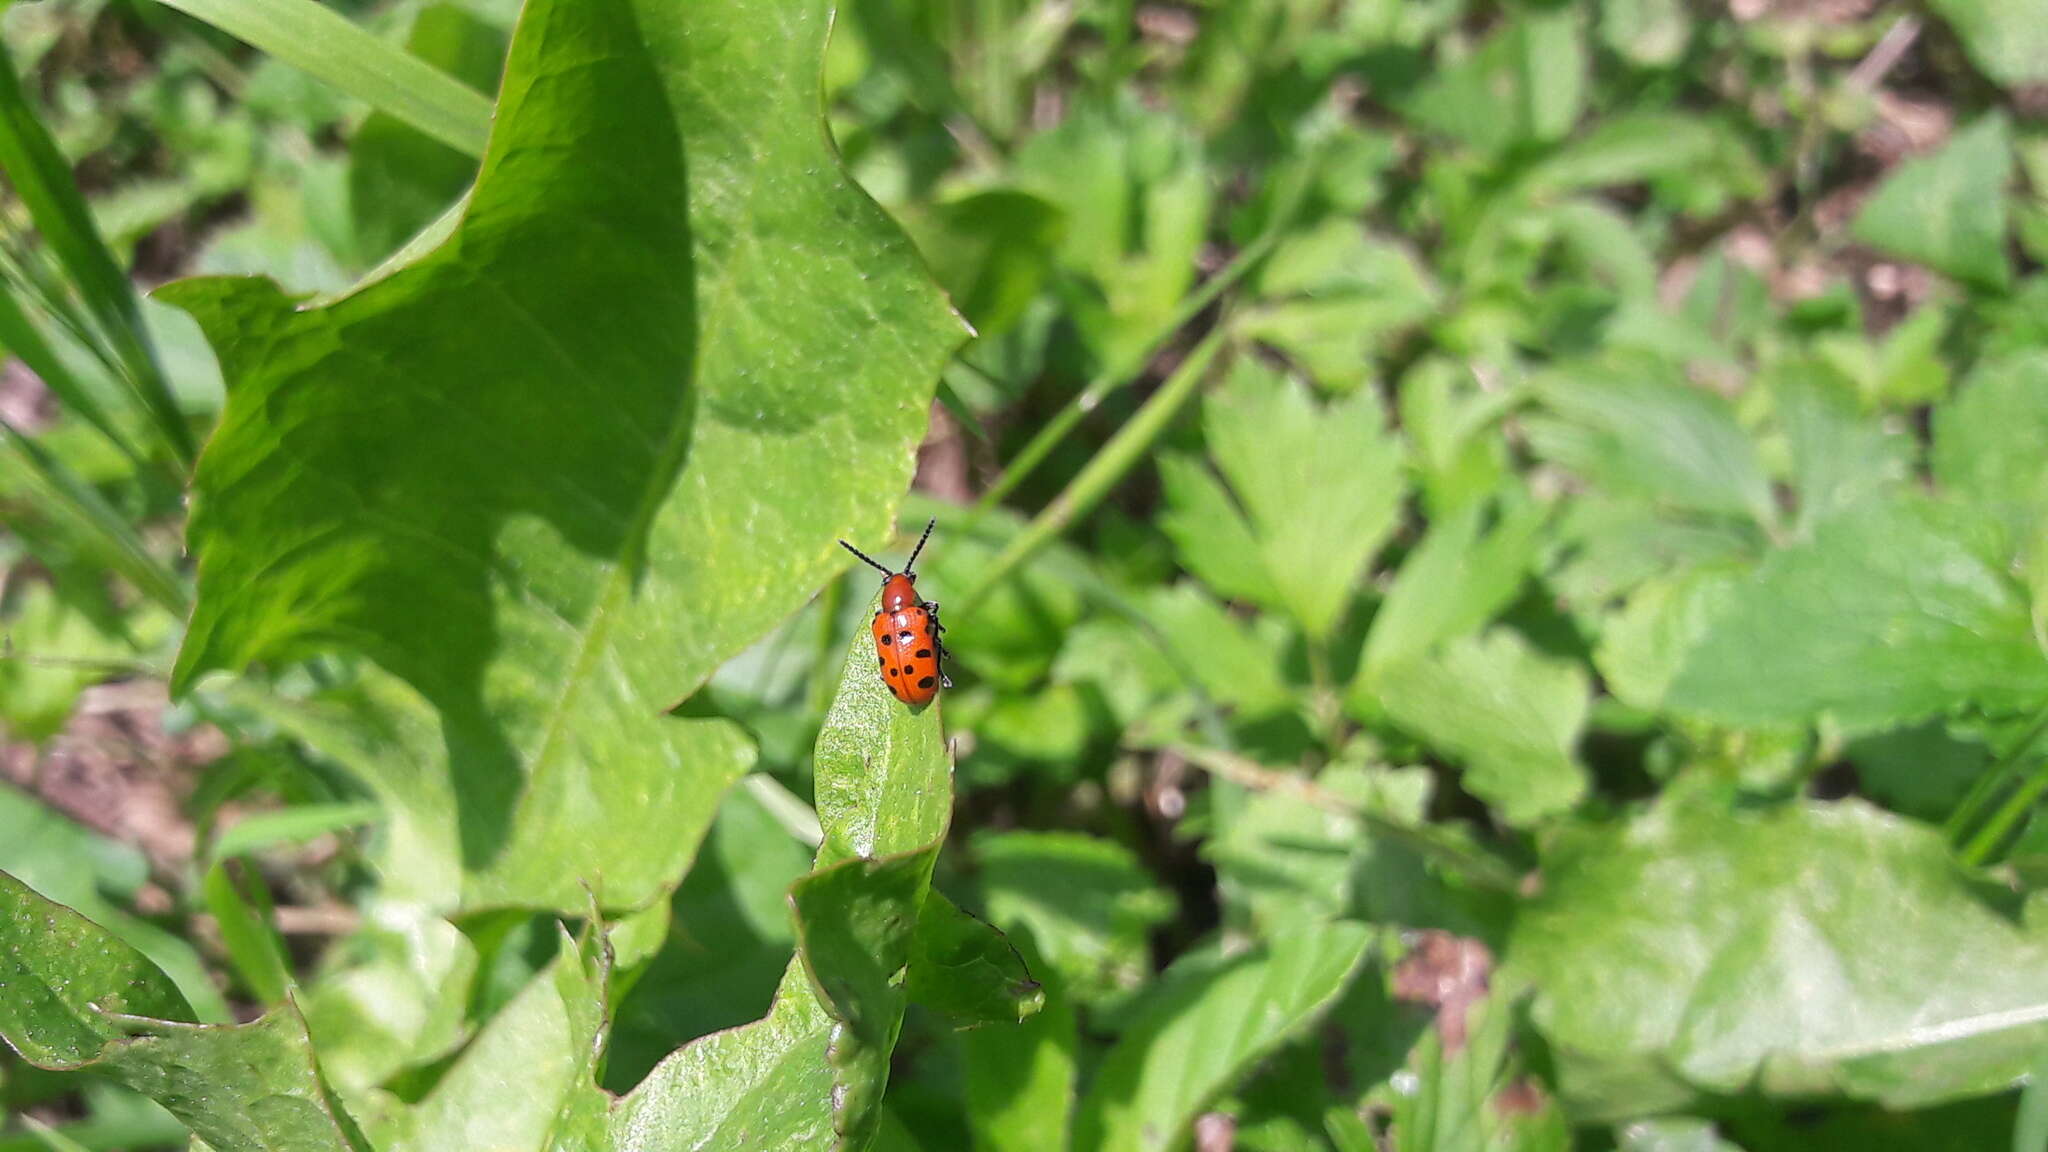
(945, 681)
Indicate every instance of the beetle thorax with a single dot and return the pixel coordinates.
(899, 591)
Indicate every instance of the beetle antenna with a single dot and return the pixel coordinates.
(864, 556)
(907, 564)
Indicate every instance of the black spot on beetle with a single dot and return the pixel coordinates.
(926, 682)
(882, 661)
(892, 671)
(924, 653)
(904, 635)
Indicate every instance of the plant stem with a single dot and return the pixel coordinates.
(1102, 473)
(1121, 374)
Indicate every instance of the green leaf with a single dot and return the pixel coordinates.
(1084, 904)
(92, 877)
(1020, 1081)
(1987, 441)
(1656, 439)
(64, 974)
(2008, 39)
(1812, 948)
(38, 173)
(856, 925)
(323, 42)
(810, 1074)
(1286, 860)
(391, 995)
(1512, 715)
(1626, 149)
(246, 932)
(1332, 296)
(400, 178)
(1895, 610)
(555, 470)
(1468, 567)
(1648, 33)
(1236, 665)
(1839, 457)
(526, 1082)
(1320, 489)
(78, 998)
(1947, 210)
(963, 967)
(1203, 1026)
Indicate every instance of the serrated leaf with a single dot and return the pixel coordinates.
(1895, 610)
(1813, 948)
(77, 997)
(558, 467)
(1947, 210)
(1510, 714)
(1206, 1022)
(1320, 488)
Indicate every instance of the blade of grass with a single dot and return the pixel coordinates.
(58, 494)
(1474, 865)
(39, 174)
(1977, 849)
(326, 45)
(1100, 474)
(19, 336)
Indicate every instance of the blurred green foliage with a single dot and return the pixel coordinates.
(1495, 553)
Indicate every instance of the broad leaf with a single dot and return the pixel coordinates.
(2008, 39)
(1814, 948)
(1895, 610)
(1947, 210)
(1319, 487)
(77, 997)
(1509, 713)
(557, 468)
(1206, 1022)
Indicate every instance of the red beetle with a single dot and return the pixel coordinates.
(907, 632)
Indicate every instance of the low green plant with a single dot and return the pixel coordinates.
(1497, 559)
